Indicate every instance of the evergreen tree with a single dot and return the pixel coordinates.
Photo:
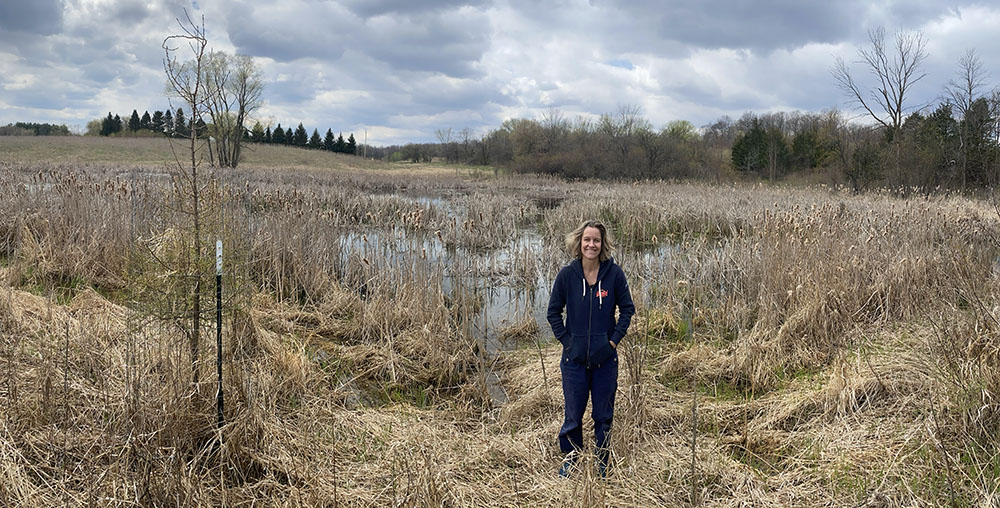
(180, 124)
(267, 134)
(200, 128)
(352, 145)
(340, 146)
(761, 149)
(106, 125)
(145, 122)
(328, 140)
(168, 123)
(133, 122)
(278, 137)
(257, 134)
(749, 149)
(301, 137)
(156, 123)
(117, 125)
(315, 141)
(289, 137)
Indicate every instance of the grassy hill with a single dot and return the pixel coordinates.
(160, 151)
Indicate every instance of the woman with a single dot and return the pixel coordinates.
(590, 287)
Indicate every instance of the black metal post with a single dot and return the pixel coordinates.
(218, 331)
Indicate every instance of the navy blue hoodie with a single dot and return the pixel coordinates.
(590, 312)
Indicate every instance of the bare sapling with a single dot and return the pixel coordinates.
(184, 80)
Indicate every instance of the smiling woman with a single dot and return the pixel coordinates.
(589, 288)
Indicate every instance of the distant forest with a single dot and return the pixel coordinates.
(818, 147)
(33, 129)
(776, 146)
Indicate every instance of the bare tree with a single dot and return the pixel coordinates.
(896, 70)
(234, 86)
(467, 136)
(555, 131)
(655, 151)
(621, 130)
(184, 80)
(444, 136)
(962, 92)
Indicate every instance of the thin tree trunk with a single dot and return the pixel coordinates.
(196, 297)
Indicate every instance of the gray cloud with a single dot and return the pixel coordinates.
(370, 8)
(42, 17)
(449, 43)
(291, 31)
(403, 69)
(134, 11)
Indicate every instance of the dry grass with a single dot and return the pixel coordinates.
(843, 348)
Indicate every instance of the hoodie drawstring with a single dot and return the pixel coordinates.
(600, 295)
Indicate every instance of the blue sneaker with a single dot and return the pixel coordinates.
(603, 464)
(568, 465)
(602, 469)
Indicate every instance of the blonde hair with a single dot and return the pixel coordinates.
(573, 239)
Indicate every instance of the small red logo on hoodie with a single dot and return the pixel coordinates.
(603, 293)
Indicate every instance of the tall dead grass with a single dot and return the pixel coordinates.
(844, 344)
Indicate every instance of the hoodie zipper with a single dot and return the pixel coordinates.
(590, 321)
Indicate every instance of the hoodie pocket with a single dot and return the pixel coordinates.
(575, 348)
(600, 349)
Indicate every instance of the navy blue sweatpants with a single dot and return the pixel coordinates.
(599, 383)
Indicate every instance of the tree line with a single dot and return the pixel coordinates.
(300, 137)
(949, 146)
(160, 123)
(954, 143)
(175, 124)
(33, 129)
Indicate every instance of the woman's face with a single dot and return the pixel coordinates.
(590, 243)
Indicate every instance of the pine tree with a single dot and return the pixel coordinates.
(301, 137)
(117, 125)
(156, 123)
(315, 141)
(200, 128)
(340, 146)
(180, 124)
(278, 137)
(257, 134)
(106, 125)
(289, 137)
(267, 134)
(352, 145)
(133, 122)
(145, 122)
(168, 123)
(328, 140)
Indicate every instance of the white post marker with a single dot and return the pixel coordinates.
(218, 257)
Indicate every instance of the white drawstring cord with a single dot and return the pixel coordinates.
(584, 288)
(600, 295)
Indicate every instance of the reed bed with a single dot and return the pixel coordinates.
(841, 347)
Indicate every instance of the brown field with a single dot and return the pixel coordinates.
(842, 349)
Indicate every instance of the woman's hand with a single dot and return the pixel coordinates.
(613, 345)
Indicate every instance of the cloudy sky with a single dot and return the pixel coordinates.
(403, 68)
